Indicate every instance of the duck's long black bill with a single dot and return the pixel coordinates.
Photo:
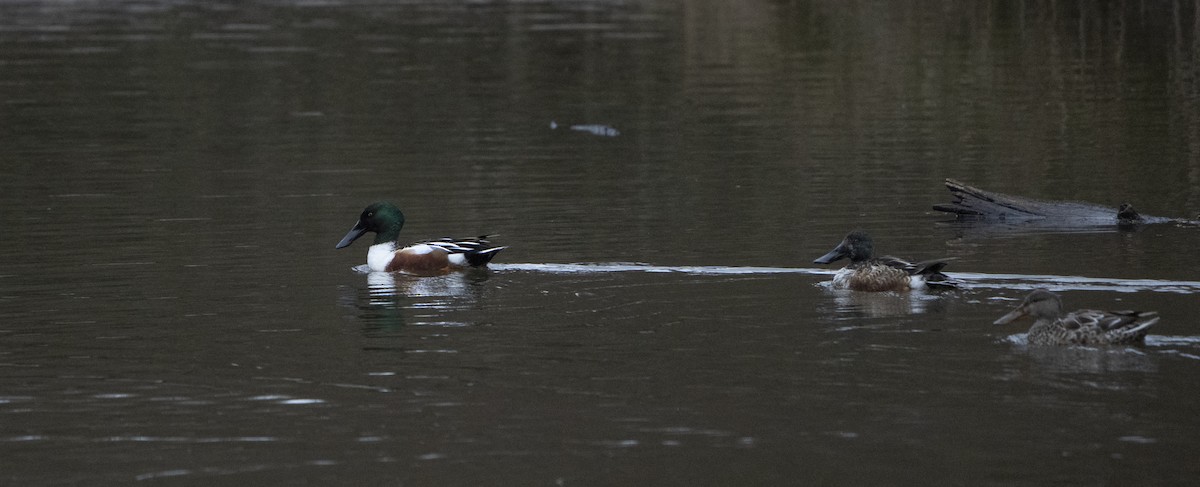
(358, 231)
(837, 253)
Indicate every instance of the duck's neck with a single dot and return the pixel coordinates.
(389, 233)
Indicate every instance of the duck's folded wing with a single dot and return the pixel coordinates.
(1113, 320)
(932, 266)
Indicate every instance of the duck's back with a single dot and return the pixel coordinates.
(1093, 327)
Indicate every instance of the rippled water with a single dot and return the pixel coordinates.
(176, 174)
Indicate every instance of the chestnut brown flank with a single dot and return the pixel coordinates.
(428, 264)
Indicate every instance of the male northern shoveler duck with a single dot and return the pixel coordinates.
(428, 258)
(1083, 327)
(866, 273)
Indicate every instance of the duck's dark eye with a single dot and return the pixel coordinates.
(370, 214)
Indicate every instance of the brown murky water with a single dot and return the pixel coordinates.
(175, 175)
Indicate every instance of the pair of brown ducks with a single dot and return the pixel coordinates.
(1050, 326)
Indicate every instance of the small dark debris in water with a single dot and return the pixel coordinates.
(1126, 214)
(594, 129)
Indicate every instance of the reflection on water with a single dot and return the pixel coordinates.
(394, 300)
(852, 304)
(174, 171)
(384, 286)
(1105, 368)
(969, 229)
(1071, 361)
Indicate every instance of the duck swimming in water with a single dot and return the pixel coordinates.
(868, 273)
(1082, 327)
(426, 258)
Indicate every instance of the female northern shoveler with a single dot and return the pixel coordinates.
(866, 273)
(1083, 327)
(428, 258)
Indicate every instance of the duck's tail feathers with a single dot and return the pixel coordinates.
(1145, 326)
(1136, 333)
(477, 258)
(931, 272)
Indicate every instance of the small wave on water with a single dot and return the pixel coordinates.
(1187, 347)
(970, 280)
(1076, 283)
(602, 267)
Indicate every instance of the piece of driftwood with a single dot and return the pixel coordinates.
(971, 203)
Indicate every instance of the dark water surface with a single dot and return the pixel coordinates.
(175, 175)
